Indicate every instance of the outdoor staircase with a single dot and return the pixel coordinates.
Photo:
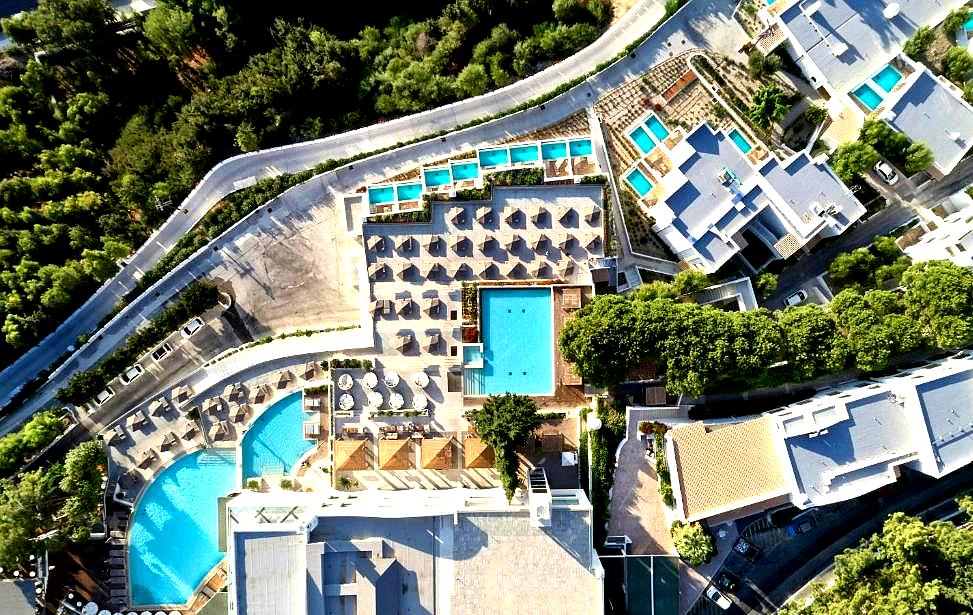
(473, 381)
(539, 498)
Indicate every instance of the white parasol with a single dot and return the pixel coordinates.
(396, 400)
(370, 380)
(421, 379)
(391, 378)
(374, 399)
(345, 381)
(89, 609)
(419, 401)
(346, 401)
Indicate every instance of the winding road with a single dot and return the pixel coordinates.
(700, 23)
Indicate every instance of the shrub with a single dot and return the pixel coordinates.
(285, 483)
(955, 20)
(853, 159)
(253, 485)
(917, 46)
(957, 64)
(815, 115)
(770, 104)
(693, 543)
(766, 284)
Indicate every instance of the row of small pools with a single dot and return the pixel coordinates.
(173, 537)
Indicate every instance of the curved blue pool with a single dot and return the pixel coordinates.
(173, 537)
(275, 441)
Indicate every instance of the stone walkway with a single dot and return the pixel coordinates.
(636, 507)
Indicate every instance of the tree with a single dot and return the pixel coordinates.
(171, 30)
(689, 282)
(919, 43)
(28, 505)
(693, 543)
(473, 80)
(810, 342)
(955, 20)
(601, 341)
(939, 296)
(79, 24)
(852, 269)
(910, 567)
(918, 157)
(598, 12)
(766, 284)
(957, 64)
(853, 159)
(760, 65)
(770, 104)
(504, 422)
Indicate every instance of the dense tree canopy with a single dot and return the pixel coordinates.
(910, 567)
(114, 121)
(701, 348)
(504, 422)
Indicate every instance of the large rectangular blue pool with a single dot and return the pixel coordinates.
(378, 195)
(524, 153)
(275, 441)
(553, 151)
(658, 128)
(435, 178)
(868, 96)
(642, 140)
(466, 170)
(173, 543)
(518, 344)
(408, 192)
(493, 157)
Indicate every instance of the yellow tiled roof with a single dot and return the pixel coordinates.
(719, 467)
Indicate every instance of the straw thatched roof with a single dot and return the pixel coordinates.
(477, 453)
(240, 413)
(169, 440)
(437, 454)
(260, 394)
(285, 378)
(351, 455)
(395, 454)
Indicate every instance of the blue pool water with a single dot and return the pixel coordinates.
(173, 536)
(639, 182)
(437, 177)
(472, 354)
(518, 352)
(581, 147)
(276, 439)
(379, 195)
(740, 141)
(658, 128)
(551, 151)
(969, 22)
(493, 157)
(642, 139)
(467, 170)
(408, 192)
(887, 78)
(868, 97)
(524, 153)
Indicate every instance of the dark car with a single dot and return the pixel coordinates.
(747, 549)
(727, 581)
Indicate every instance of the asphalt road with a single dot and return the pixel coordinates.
(700, 23)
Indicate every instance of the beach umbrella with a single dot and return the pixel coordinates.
(396, 400)
(374, 399)
(370, 380)
(484, 214)
(346, 401)
(345, 381)
(89, 609)
(421, 379)
(419, 401)
(391, 378)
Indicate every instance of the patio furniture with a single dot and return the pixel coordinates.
(381, 307)
(421, 379)
(391, 378)
(346, 401)
(312, 403)
(570, 298)
(369, 380)
(345, 381)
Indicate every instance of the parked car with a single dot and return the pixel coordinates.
(801, 525)
(796, 299)
(131, 374)
(886, 172)
(104, 396)
(190, 328)
(747, 549)
(721, 601)
(161, 352)
(727, 581)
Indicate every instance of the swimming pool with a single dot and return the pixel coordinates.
(868, 97)
(551, 151)
(642, 139)
(658, 128)
(969, 22)
(436, 177)
(518, 352)
(524, 153)
(408, 192)
(581, 147)
(740, 141)
(493, 157)
(639, 182)
(887, 78)
(173, 536)
(275, 441)
(380, 194)
(467, 170)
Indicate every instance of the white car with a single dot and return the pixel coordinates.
(161, 352)
(796, 299)
(190, 328)
(886, 172)
(716, 596)
(104, 396)
(131, 374)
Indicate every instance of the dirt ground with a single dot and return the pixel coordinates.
(619, 7)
